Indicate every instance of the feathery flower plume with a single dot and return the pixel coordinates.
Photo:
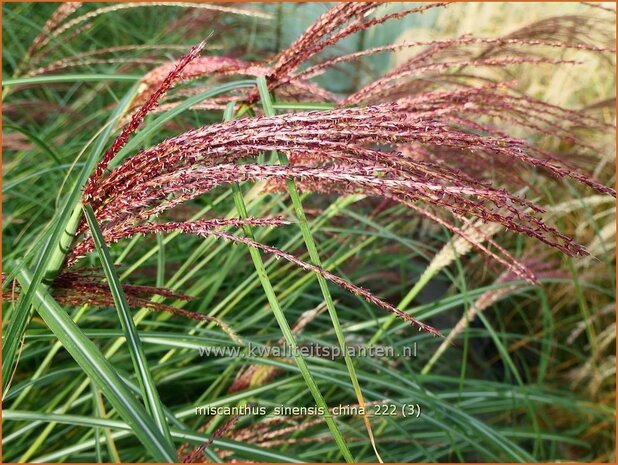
(87, 17)
(53, 23)
(206, 230)
(328, 30)
(83, 287)
(139, 116)
(319, 68)
(197, 454)
(339, 22)
(429, 149)
(190, 227)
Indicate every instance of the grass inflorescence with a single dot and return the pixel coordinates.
(237, 194)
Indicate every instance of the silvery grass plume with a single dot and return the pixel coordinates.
(600, 369)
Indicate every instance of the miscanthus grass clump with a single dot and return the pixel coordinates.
(445, 136)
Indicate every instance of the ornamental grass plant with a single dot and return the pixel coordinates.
(384, 176)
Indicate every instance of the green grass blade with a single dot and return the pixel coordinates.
(280, 317)
(314, 256)
(98, 369)
(140, 364)
(54, 250)
(35, 140)
(160, 261)
(97, 430)
(99, 409)
(123, 430)
(70, 78)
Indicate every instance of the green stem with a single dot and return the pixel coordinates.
(280, 316)
(53, 252)
(315, 259)
(140, 364)
(98, 369)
